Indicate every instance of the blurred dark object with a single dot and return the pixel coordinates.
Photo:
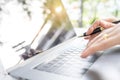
(1, 43)
(18, 44)
(31, 53)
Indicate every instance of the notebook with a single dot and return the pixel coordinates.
(58, 63)
(62, 62)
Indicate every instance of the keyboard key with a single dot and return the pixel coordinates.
(69, 63)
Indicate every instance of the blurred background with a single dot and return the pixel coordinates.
(42, 24)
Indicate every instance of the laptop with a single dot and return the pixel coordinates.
(63, 62)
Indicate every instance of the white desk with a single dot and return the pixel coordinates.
(3, 73)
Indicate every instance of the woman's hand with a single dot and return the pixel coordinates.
(107, 38)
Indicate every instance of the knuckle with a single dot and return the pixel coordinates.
(97, 21)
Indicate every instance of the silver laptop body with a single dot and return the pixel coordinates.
(63, 62)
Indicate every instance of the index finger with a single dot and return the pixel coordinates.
(99, 23)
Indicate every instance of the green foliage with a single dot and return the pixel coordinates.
(93, 10)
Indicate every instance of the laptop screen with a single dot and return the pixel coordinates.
(57, 23)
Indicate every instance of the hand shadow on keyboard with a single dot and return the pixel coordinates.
(93, 75)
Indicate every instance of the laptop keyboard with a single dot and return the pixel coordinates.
(69, 63)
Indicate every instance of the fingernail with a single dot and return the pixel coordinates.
(83, 55)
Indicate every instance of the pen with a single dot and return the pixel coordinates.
(99, 29)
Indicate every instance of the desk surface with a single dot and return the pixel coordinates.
(3, 73)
